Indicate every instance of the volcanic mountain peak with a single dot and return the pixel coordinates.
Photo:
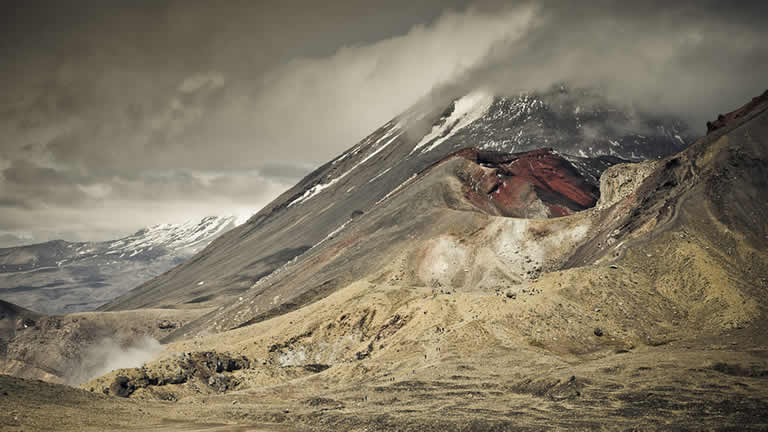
(574, 121)
(582, 128)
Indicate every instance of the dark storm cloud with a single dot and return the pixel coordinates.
(24, 172)
(10, 202)
(289, 173)
(35, 186)
(189, 108)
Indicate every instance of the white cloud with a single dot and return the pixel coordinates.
(96, 191)
(195, 83)
(334, 101)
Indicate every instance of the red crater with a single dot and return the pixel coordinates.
(536, 184)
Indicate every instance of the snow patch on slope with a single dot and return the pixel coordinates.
(382, 147)
(333, 233)
(379, 175)
(390, 136)
(316, 189)
(466, 111)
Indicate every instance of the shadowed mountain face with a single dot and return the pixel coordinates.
(61, 277)
(586, 135)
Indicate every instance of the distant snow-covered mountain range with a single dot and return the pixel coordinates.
(62, 277)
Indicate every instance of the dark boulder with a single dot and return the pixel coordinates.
(122, 387)
(165, 325)
(221, 382)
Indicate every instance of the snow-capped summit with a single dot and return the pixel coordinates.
(174, 237)
(573, 121)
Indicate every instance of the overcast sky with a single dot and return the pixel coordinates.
(115, 115)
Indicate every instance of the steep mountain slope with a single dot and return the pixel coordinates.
(60, 277)
(647, 311)
(571, 122)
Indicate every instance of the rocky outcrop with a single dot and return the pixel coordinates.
(726, 119)
(211, 368)
(620, 181)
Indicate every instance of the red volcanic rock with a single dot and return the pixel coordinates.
(540, 183)
(724, 119)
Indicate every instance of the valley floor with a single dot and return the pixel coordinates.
(718, 382)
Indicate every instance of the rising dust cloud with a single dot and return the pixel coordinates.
(108, 355)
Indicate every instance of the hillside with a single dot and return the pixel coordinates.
(74, 348)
